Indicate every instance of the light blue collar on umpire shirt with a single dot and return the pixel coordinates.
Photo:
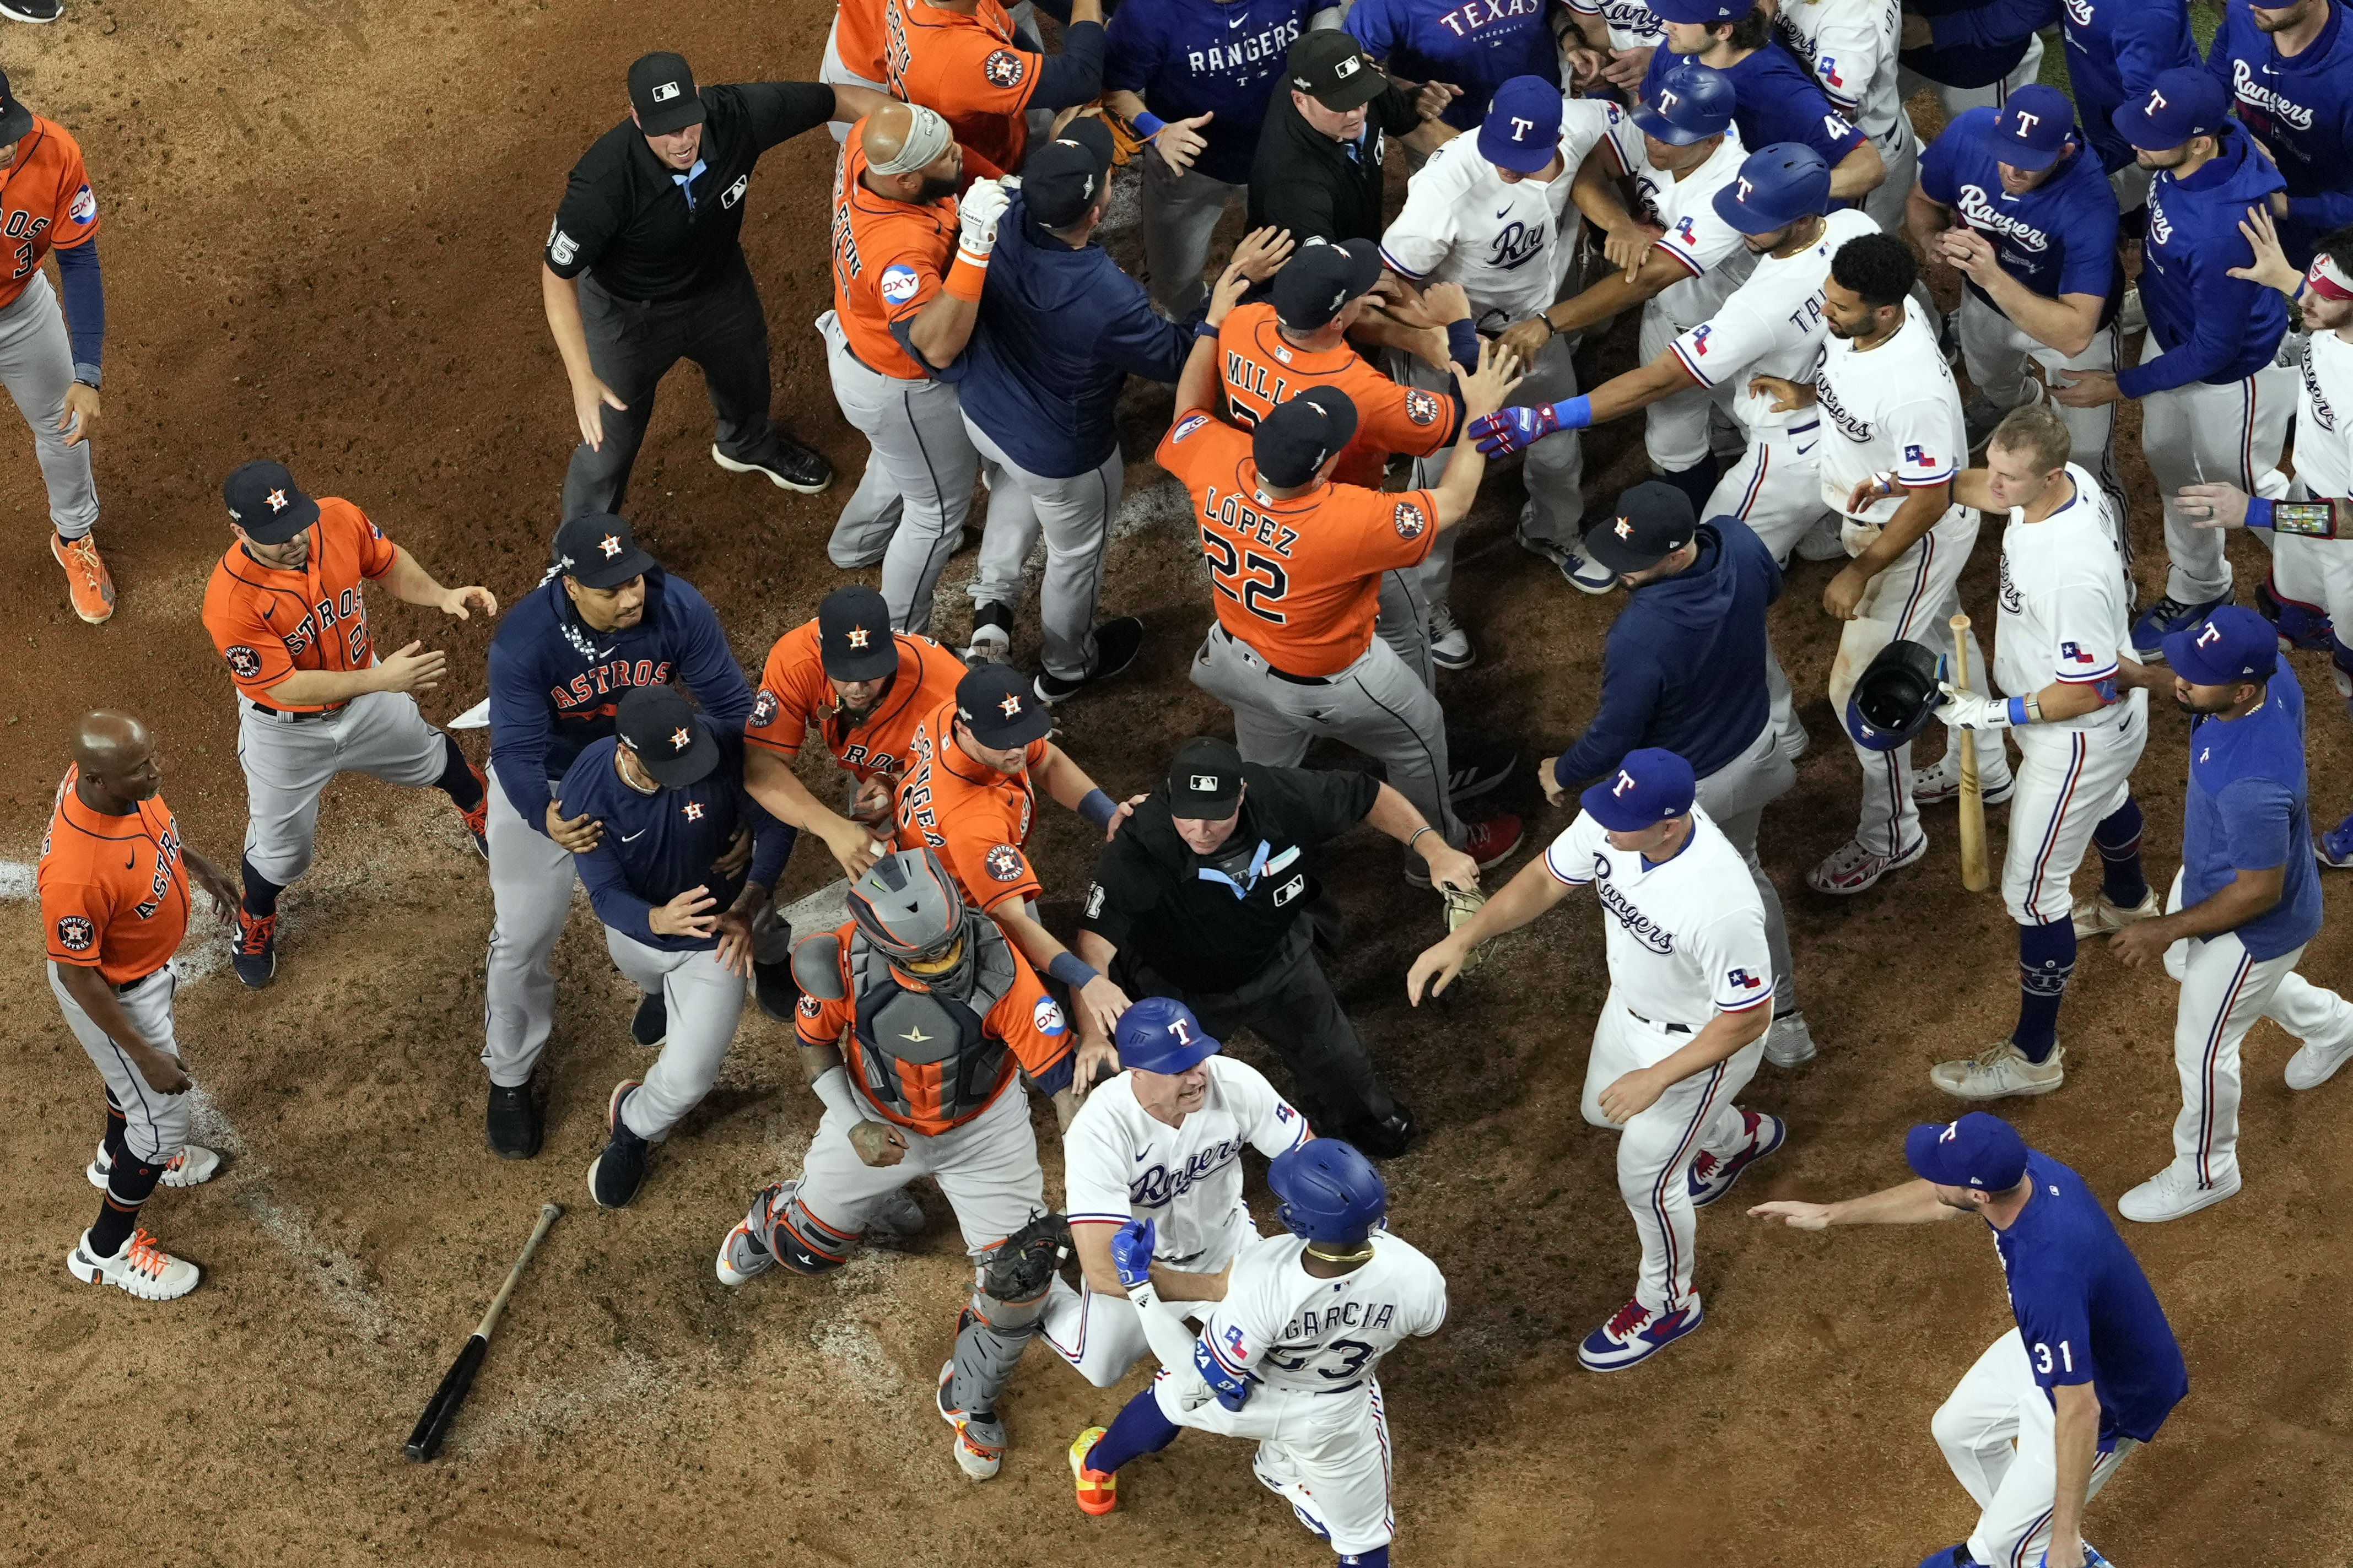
(685, 182)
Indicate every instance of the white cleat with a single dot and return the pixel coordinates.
(2097, 916)
(1789, 1043)
(1851, 867)
(142, 1267)
(2173, 1193)
(2316, 1065)
(192, 1166)
(1999, 1072)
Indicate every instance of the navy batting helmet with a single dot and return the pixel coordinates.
(1895, 696)
(1776, 187)
(907, 905)
(1329, 1192)
(1692, 103)
(1161, 1035)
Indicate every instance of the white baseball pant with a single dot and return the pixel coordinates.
(2224, 989)
(833, 73)
(1996, 349)
(1074, 515)
(1735, 797)
(1655, 1150)
(2318, 572)
(1999, 1433)
(1899, 153)
(1326, 1455)
(155, 1126)
(2067, 783)
(987, 1169)
(908, 508)
(531, 878)
(1776, 490)
(1675, 428)
(1180, 212)
(36, 367)
(1959, 100)
(289, 760)
(705, 1001)
(2205, 433)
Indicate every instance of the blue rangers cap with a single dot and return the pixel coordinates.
(1161, 1035)
(2232, 644)
(2033, 128)
(1650, 785)
(1978, 1151)
(1522, 130)
(2181, 103)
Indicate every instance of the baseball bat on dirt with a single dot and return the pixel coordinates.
(425, 1438)
(1973, 848)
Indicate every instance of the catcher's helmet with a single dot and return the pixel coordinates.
(1161, 1035)
(1895, 696)
(1329, 1192)
(907, 905)
(1776, 186)
(1691, 103)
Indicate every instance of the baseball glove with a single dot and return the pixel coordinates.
(1461, 905)
(1025, 1263)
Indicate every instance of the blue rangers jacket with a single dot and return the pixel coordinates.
(2212, 327)
(2301, 109)
(2115, 49)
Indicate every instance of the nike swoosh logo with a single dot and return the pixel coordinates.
(633, 837)
(1143, 1157)
(1505, 213)
(1236, 23)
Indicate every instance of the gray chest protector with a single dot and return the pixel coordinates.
(922, 1051)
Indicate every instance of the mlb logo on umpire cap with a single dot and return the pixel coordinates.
(1207, 784)
(665, 92)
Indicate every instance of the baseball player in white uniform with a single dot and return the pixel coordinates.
(1890, 411)
(1493, 213)
(1681, 1032)
(1849, 46)
(1162, 1142)
(1289, 1355)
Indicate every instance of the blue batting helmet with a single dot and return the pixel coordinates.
(1329, 1192)
(1691, 103)
(1161, 1035)
(1895, 696)
(1776, 187)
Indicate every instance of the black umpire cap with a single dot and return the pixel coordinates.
(853, 635)
(596, 550)
(1293, 441)
(1205, 780)
(662, 90)
(668, 738)
(1333, 68)
(264, 500)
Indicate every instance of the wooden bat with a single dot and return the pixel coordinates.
(425, 1438)
(1974, 876)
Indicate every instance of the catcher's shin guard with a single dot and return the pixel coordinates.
(1008, 1301)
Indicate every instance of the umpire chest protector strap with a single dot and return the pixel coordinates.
(903, 1029)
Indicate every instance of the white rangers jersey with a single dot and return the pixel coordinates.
(1297, 1334)
(1121, 1162)
(2064, 615)
(2323, 417)
(1849, 48)
(1711, 249)
(1772, 325)
(1685, 937)
(1891, 410)
(1631, 24)
(1509, 245)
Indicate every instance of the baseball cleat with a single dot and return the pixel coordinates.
(254, 950)
(2335, 847)
(1851, 867)
(1474, 767)
(1388, 1138)
(773, 988)
(88, 582)
(478, 820)
(1588, 576)
(899, 1218)
(2314, 1065)
(2097, 916)
(192, 1166)
(510, 1125)
(1450, 644)
(1489, 842)
(616, 1174)
(1098, 1490)
(2174, 1192)
(649, 1024)
(1117, 642)
(34, 11)
(1711, 1178)
(992, 635)
(1958, 1557)
(1979, 414)
(979, 1438)
(1789, 1043)
(782, 461)
(142, 1267)
(1999, 1072)
(1794, 739)
(1932, 785)
(1826, 541)
(745, 1254)
(2131, 317)
(1635, 1334)
(2161, 620)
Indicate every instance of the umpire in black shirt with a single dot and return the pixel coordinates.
(1202, 898)
(1317, 170)
(644, 267)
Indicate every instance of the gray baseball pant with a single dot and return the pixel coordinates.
(1074, 515)
(1181, 210)
(2202, 433)
(704, 1002)
(833, 73)
(531, 878)
(289, 763)
(1959, 101)
(1735, 797)
(1376, 705)
(908, 508)
(1996, 349)
(36, 367)
(155, 1126)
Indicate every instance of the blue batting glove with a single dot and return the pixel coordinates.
(1509, 430)
(2090, 1559)
(1130, 1253)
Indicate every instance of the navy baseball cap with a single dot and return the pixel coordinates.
(1320, 280)
(1650, 785)
(1061, 178)
(1522, 130)
(1160, 1034)
(2231, 645)
(1978, 1151)
(1654, 520)
(996, 705)
(662, 90)
(1713, 12)
(668, 737)
(596, 550)
(1205, 780)
(1293, 441)
(2184, 102)
(853, 635)
(1333, 68)
(264, 500)
(15, 119)
(2033, 128)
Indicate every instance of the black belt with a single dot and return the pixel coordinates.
(128, 986)
(1670, 1028)
(287, 716)
(1283, 674)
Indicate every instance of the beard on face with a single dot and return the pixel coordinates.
(934, 188)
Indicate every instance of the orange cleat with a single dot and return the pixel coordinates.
(477, 821)
(87, 581)
(1098, 1490)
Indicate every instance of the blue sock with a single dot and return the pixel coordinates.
(1140, 1428)
(2046, 957)
(1379, 1557)
(1699, 483)
(2117, 837)
(457, 780)
(260, 893)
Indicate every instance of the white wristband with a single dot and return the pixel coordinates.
(832, 1086)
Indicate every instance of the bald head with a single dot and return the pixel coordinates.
(886, 132)
(115, 756)
(911, 154)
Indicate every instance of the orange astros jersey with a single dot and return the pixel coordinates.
(1261, 370)
(45, 205)
(114, 889)
(857, 37)
(794, 697)
(968, 68)
(889, 258)
(269, 623)
(976, 818)
(1298, 580)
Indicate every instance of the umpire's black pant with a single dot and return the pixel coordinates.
(631, 346)
(1291, 1005)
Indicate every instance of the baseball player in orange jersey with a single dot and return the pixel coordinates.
(50, 358)
(853, 52)
(970, 797)
(968, 59)
(286, 606)
(1294, 561)
(114, 905)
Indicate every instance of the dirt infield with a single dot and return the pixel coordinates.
(322, 220)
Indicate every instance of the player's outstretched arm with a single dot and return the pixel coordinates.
(1484, 391)
(772, 781)
(1719, 1040)
(1913, 1202)
(1516, 429)
(1527, 895)
(411, 583)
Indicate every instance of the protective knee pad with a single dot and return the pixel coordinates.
(806, 1244)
